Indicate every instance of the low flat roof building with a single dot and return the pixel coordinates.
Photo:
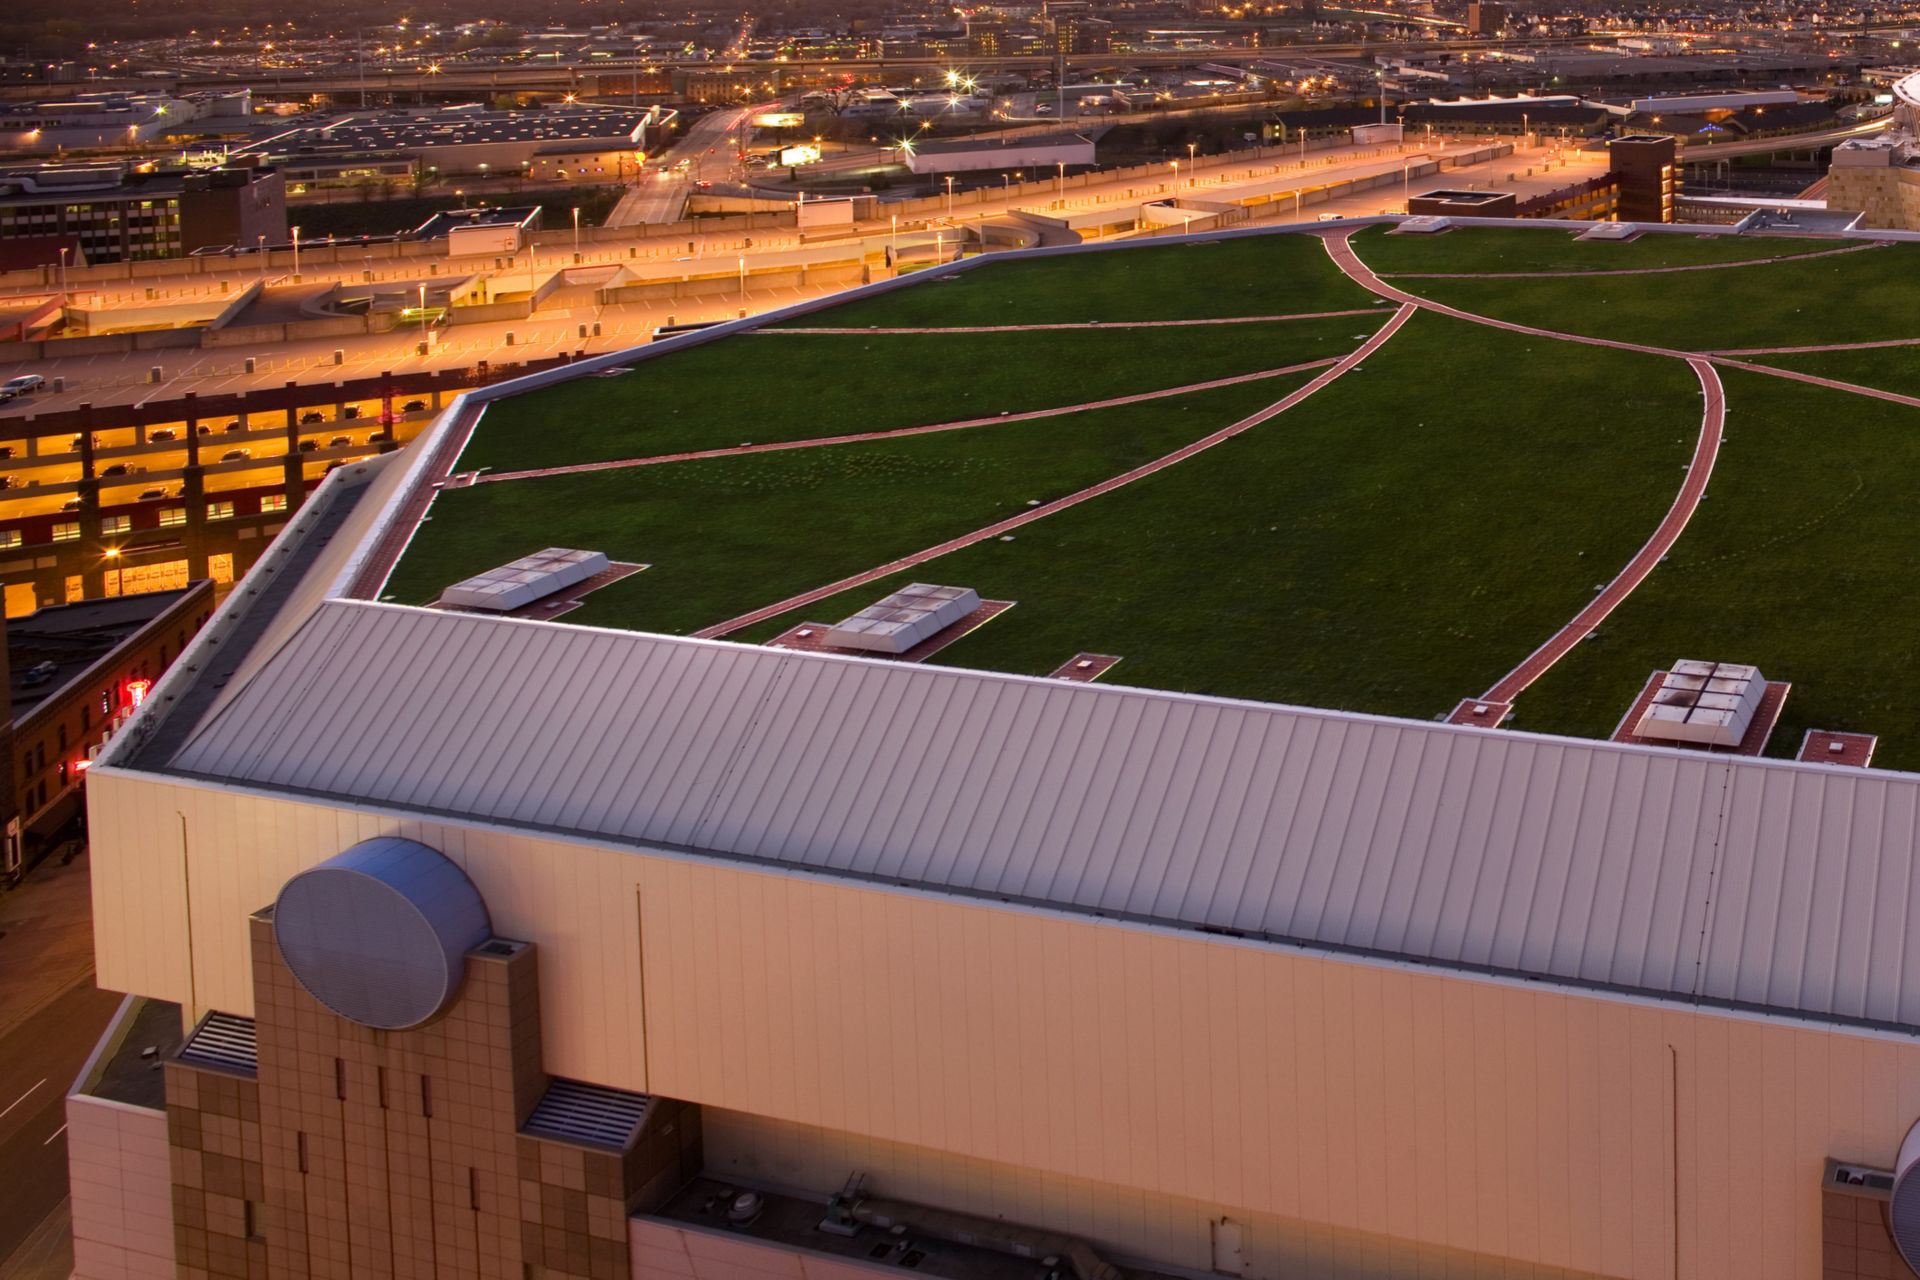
(459, 140)
(970, 155)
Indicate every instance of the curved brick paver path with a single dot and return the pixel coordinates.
(1082, 324)
(1814, 380)
(775, 446)
(1817, 349)
(1712, 421)
(1624, 271)
(1339, 369)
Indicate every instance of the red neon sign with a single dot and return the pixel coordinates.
(137, 691)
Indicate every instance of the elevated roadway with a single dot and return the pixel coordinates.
(579, 74)
(1708, 152)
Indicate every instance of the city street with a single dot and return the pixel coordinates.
(51, 1016)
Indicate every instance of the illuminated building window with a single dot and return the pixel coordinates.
(9, 538)
(116, 524)
(170, 516)
(67, 531)
(220, 511)
(274, 502)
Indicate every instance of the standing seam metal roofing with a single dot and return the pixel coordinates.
(1766, 884)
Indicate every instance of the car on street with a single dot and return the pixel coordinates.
(24, 385)
(236, 455)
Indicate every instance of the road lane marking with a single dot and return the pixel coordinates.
(22, 1098)
(56, 1133)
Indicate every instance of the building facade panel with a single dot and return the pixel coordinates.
(1149, 1081)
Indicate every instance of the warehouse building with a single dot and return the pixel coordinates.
(456, 140)
(509, 948)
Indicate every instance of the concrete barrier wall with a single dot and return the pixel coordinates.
(294, 330)
(484, 312)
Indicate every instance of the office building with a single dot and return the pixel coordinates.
(119, 214)
(1646, 172)
(75, 673)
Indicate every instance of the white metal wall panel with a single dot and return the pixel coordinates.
(122, 1190)
(1124, 1081)
(1736, 880)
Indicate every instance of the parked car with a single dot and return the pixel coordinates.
(164, 433)
(379, 437)
(414, 406)
(24, 385)
(203, 430)
(350, 411)
(152, 495)
(312, 416)
(339, 441)
(118, 469)
(6, 451)
(309, 445)
(233, 427)
(71, 504)
(236, 455)
(9, 482)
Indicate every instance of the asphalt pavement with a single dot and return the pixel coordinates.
(51, 1016)
(38, 1061)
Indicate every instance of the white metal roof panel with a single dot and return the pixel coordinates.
(1717, 877)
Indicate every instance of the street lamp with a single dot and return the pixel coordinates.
(64, 251)
(113, 555)
(949, 195)
(423, 313)
(743, 276)
(296, 254)
(1061, 182)
(263, 257)
(576, 231)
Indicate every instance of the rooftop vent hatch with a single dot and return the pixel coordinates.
(223, 1040)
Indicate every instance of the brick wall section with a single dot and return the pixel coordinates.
(1857, 1245)
(393, 1155)
(358, 1154)
(219, 1188)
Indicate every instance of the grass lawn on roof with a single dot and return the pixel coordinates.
(727, 535)
(1249, 276)
(1801, 562)
(1853, 297)
(1544, 246)
(767, 387)
(1394, 544)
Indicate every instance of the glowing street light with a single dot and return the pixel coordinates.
(296, 253)
(576, 231)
